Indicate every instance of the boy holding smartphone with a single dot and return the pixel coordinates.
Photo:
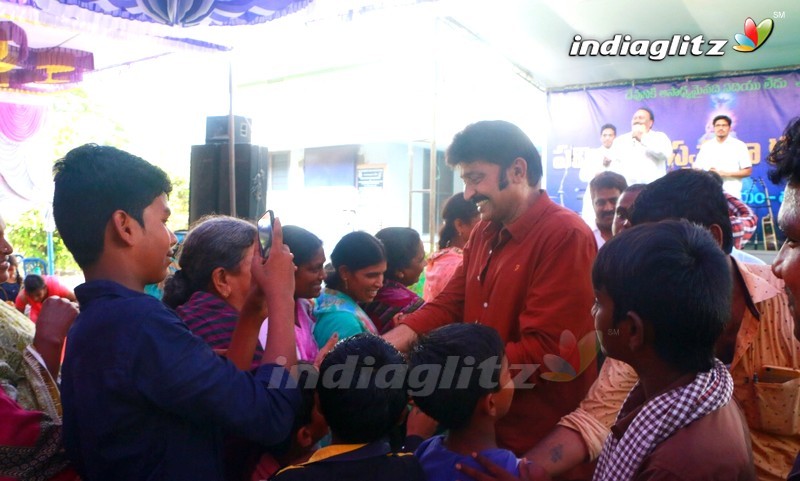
(143, 398)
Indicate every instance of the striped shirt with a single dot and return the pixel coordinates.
(214, 320)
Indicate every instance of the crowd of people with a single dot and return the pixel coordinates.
(640, 156)
(643, 347)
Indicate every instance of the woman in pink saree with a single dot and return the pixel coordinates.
(309, 258)
(459, 217)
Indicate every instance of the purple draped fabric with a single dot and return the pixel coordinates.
(18, 122)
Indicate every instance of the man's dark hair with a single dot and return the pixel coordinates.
(785, 156)
(633, 188)
(608, 180)
(91, 183)
(722, 117)
(33, 282)
(362, 406)
(608, 126)
(674, 276)
(457, 348)
(688, 194)
(497, 142)
(401, 244)
(649, 112)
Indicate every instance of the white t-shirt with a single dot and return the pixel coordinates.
(593, 164)
(598, 236)
(729, 155)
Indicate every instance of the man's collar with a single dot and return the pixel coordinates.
(88, 291)
(760, 283)
(525, 222)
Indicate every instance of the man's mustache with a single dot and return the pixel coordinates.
(478, 198)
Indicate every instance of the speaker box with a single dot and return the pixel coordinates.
(209, 181)
(217, 130)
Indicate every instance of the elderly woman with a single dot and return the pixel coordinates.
(212, 289)
(359, 263)
(405, 259)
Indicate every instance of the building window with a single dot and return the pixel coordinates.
(444, 187)
(330, 166)
(279, 170)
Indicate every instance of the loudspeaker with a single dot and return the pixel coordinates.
(209, 181)
(217, 130)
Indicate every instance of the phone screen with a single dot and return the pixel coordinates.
(265, 232)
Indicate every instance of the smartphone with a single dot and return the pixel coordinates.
(265, 226)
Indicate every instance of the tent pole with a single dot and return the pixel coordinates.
(231, 145)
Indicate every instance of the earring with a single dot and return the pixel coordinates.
(400, 275)
(346, 287)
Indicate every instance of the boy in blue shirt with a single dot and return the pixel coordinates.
(143, 398)
(362, 395)
(467, 389)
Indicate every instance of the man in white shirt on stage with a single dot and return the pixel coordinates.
(644, 152)
(601, 159)
(726, 156)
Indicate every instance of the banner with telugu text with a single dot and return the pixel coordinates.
(759, 105)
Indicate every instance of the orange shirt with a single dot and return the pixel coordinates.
(531, 281)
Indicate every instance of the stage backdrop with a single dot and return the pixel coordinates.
(760, 106)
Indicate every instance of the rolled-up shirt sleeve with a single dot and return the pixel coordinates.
(597, 412)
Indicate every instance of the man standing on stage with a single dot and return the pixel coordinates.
(726, 156)
(644, 152)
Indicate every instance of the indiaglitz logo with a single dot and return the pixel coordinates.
(624, 45)
(680, 45)
(754, 36)
(573, 357)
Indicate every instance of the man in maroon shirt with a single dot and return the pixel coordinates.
(526, 273)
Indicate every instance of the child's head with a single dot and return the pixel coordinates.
(94, 182)
(667, 282)
(309, 424)
(14, 275)
(35, 288)
(361, 389)
(464, 368)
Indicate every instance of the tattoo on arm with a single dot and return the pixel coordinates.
(557, 453)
